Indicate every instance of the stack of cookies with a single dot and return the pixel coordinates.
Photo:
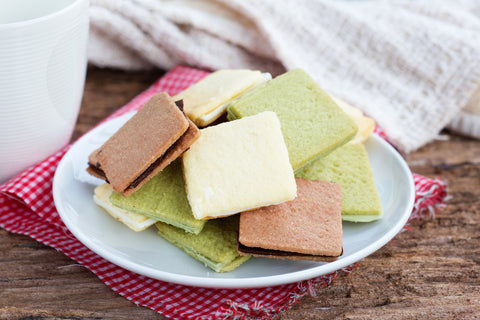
(241, 165)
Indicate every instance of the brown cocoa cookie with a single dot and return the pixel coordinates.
(306, 228)
(156, 135)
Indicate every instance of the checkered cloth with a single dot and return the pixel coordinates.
(27, 207)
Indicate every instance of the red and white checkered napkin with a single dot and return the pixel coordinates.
(27, 207)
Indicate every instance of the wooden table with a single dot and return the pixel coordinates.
(430, 272)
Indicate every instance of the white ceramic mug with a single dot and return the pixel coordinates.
(43, 61)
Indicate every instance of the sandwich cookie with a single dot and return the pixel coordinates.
(163, 198)
(350, 167)
(133, 220)
(156, 135)
(238, 165)
(206, 100)
(215, 246)
(312, 124)
(306, 228)
(366, 125)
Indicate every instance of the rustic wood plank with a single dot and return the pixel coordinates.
(430, 272)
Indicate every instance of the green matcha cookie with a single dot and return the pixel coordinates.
(215, 246)
(350, 167)
(312, 124)
(163, 198)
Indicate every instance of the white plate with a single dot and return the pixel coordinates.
(148, 254)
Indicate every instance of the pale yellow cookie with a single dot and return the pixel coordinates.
(238, 165)
(135, 221)
(365, 124)
(206, 100)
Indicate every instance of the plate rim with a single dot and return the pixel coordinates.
(251, 282)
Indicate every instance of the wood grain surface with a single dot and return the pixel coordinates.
(429, 272)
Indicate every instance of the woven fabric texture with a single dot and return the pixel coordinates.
(411, 65)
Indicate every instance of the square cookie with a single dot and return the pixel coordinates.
(215, 246)
(307, 228)
(133, 220)
(350, 167)
(155, 136)
(163, 198)
(312, 124)
(206, 100)
(238, 165)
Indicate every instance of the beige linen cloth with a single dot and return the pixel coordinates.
(414, 66)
